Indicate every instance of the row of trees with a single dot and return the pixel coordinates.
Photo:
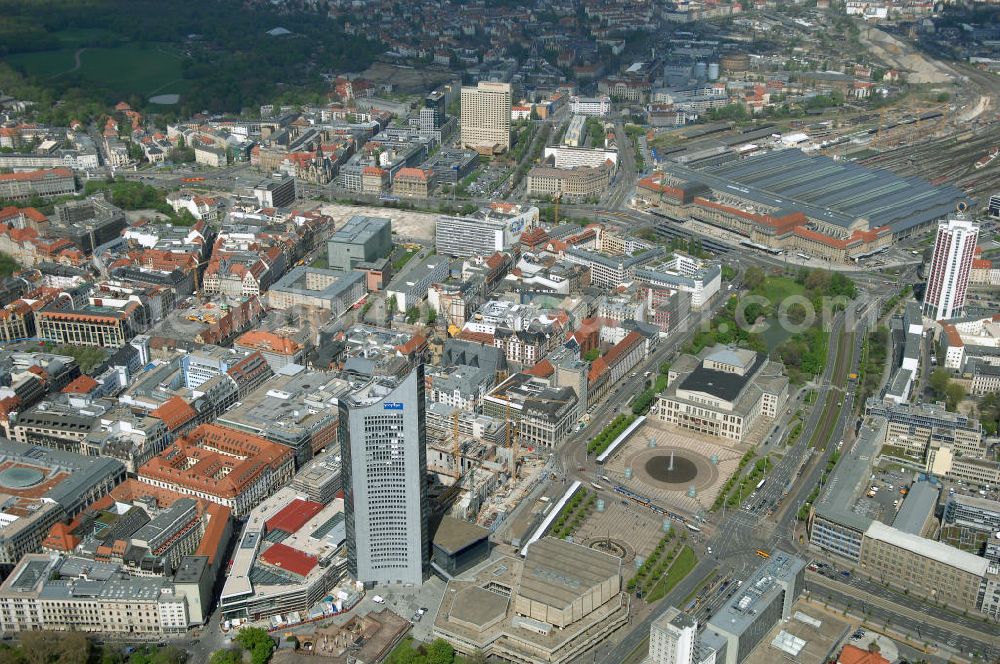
(873, 355)
(47, 647)
(612, 431)
(572, 515)
(744, 460)
(655, 565)
(643, 402)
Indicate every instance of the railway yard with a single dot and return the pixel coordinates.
(954, 142)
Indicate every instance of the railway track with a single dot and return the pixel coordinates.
(838, 380)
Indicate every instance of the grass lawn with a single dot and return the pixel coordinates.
(126, 69)
(685, 562)
(43, 63)
(402, 259)
(87, 357)
(129, 67)
(776, 289)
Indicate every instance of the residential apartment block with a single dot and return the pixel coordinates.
(44, 183)
(492, 229)
(35, 596)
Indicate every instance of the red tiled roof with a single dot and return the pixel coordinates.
(543, 369)
(855, 655)
(294, 515)
(415, 343)
(287, 558)
(175, 412)
(413, 173)
(36, 175)
(613, 356)
(478, 337)
(82, 384)
(61, 538)
(954, 338)
(211, 540)
(269, 342)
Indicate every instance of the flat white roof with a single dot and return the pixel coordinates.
(943, 553)
(251, 539)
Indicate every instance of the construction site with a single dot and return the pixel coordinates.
(481, 469)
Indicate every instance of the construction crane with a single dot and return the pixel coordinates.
(456, 449)
(511, 436)
(557, 198)
(512, 427)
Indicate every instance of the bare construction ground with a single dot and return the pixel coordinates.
(406, 224)
(405, 79)
(918, 68)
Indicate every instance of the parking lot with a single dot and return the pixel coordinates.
(886, 492)
(488, 181)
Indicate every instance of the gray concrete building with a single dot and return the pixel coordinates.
(70, 480)
(331, 290)
(838, 522)
(295, 408)
(409, 287)
(485, 232)
(361, 240)
(764, 600)
(382, 438)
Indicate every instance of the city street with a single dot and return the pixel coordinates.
(918, 623)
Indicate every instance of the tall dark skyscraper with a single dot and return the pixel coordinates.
(382, 438)
(435, 101)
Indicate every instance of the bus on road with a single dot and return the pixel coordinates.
(763, 554)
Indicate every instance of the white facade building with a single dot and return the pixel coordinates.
(593, 106)
(951, 267)
(485, 117)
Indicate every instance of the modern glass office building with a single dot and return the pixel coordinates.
(382, 438)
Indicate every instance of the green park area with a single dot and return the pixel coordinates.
(669, 562)
(756, 319)
(143, 69)
(89, 55)
(439, 651)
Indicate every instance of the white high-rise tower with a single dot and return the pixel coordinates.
(951, 265)
(485, 117)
